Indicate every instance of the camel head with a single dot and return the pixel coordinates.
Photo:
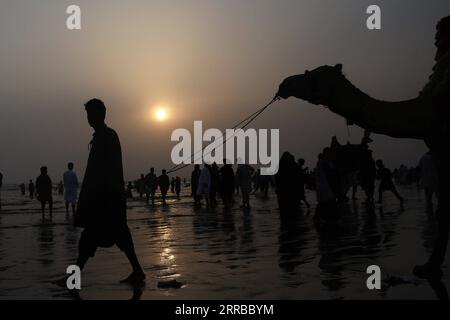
(316, 86)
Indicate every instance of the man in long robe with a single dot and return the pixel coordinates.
(101, 209)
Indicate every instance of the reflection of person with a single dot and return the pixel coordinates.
(70, 187)
(101, 209)
(44, 190)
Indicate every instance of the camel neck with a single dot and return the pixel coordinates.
(344, 94)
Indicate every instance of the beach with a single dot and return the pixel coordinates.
(219, 254)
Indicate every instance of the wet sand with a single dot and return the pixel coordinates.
(225, 255)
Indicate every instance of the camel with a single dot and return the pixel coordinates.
(421, 118)
(326, 85)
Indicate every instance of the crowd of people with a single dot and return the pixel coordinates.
(340, 170)
(207, 184)
(42, 189)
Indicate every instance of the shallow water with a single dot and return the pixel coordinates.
(225, 255)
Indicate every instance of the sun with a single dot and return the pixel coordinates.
(161, 114)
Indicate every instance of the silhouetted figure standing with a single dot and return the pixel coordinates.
(386, 183)
(367, 176)
(287, 186)
(429, 179)
(164, 184)
(31, 189)
(326, 184)
(263, 183)
(204, 185)
(256, 180)
(151, 184)
(141, 186)
(214, 172)
(172, 185)
(302, 181)
(178, 187)
(70, 188)
(60, 188)
(129, 190)
(22, 189)
(101, 207)
(244, 174)
(44, 191)
(195, 176)
(227, 184)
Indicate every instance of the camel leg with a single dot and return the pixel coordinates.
(432, 269)
(442, 214)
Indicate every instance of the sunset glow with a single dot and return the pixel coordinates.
(161, 114)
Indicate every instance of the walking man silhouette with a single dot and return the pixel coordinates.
(101, 209)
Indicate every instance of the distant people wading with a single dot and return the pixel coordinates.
(178, 187)
(326, 183)
(287, 185)
(31, 189)
(215, 183)
(302, 182)
(367, 176)
(60, 188)
(244, 174)
(70, 187)
(195, 176)
(22, 189)
(101, 207)
(204, 185)
(386, 183)
(44, 191)
(226, 178)
(141, 186)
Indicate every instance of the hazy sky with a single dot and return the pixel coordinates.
(215, 61)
